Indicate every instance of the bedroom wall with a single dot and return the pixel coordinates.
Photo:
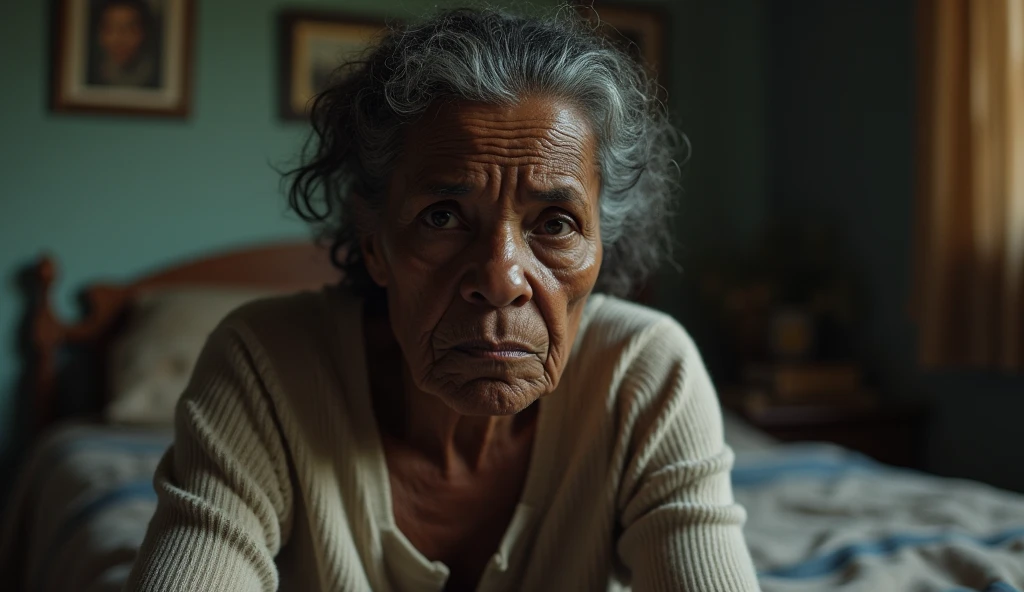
(112, 197)
(841, 120)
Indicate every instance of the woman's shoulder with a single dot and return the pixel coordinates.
(304, 326)
(611, 323)
(278, 309)
(634, 351)
(646, 368)
(290, 312)
(303, 349)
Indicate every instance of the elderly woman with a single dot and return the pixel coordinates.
(463, 411)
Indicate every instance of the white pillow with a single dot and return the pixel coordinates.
(151, 361)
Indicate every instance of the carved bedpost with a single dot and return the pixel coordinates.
(46, 334)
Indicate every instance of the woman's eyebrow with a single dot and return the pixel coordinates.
(561, 195)
(556, 195)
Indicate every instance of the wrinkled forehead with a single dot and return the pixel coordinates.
(548, 136)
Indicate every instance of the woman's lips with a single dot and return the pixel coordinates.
(505, 350)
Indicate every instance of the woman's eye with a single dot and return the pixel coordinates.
(442, 219)
(557, 227)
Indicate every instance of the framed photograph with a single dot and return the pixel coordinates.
(122, 56)
(642, 30)
(313, 45)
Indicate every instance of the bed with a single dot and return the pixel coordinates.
(819, 517)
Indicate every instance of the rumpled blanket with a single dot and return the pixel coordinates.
(819, 518)
(79, 510)
(823, 518)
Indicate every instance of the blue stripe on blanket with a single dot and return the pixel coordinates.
(1000, 587)
(993, 587)
(141, 444)
(773, 470)
(834, 560)
(131, 490)
(63, 449)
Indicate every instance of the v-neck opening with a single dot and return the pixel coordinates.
(375, 482)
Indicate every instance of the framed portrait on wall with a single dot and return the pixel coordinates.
(641, 29)
(313, 45)
(122, 56)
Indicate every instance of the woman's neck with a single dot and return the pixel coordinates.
(420, 420)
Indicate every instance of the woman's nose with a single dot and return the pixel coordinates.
(499, 279)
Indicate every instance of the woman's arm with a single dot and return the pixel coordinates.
(225, 498)
(681, 528)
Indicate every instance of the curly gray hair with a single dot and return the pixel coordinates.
(492, 56)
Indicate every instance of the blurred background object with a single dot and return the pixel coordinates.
(311, 46)
(969, 298)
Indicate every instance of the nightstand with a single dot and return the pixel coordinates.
(893, 434)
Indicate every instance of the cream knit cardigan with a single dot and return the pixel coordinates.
(277, 478)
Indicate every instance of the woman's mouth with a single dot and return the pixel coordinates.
(504, 350)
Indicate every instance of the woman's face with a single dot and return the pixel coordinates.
(488, 245)
(121, 33)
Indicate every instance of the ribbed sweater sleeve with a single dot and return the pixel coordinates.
(224, 495)
(680, 528)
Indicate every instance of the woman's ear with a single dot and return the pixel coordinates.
(373, 258)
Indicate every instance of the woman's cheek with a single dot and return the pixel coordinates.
(563, 253)
(575, 269)
(575, 278)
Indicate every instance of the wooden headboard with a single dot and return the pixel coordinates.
(283, 266)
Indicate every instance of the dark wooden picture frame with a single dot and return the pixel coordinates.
(640, 29)
(129, 57)
(312, 46)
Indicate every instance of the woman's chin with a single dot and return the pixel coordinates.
(488, 396)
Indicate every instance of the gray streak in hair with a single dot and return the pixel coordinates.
(496, 57)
